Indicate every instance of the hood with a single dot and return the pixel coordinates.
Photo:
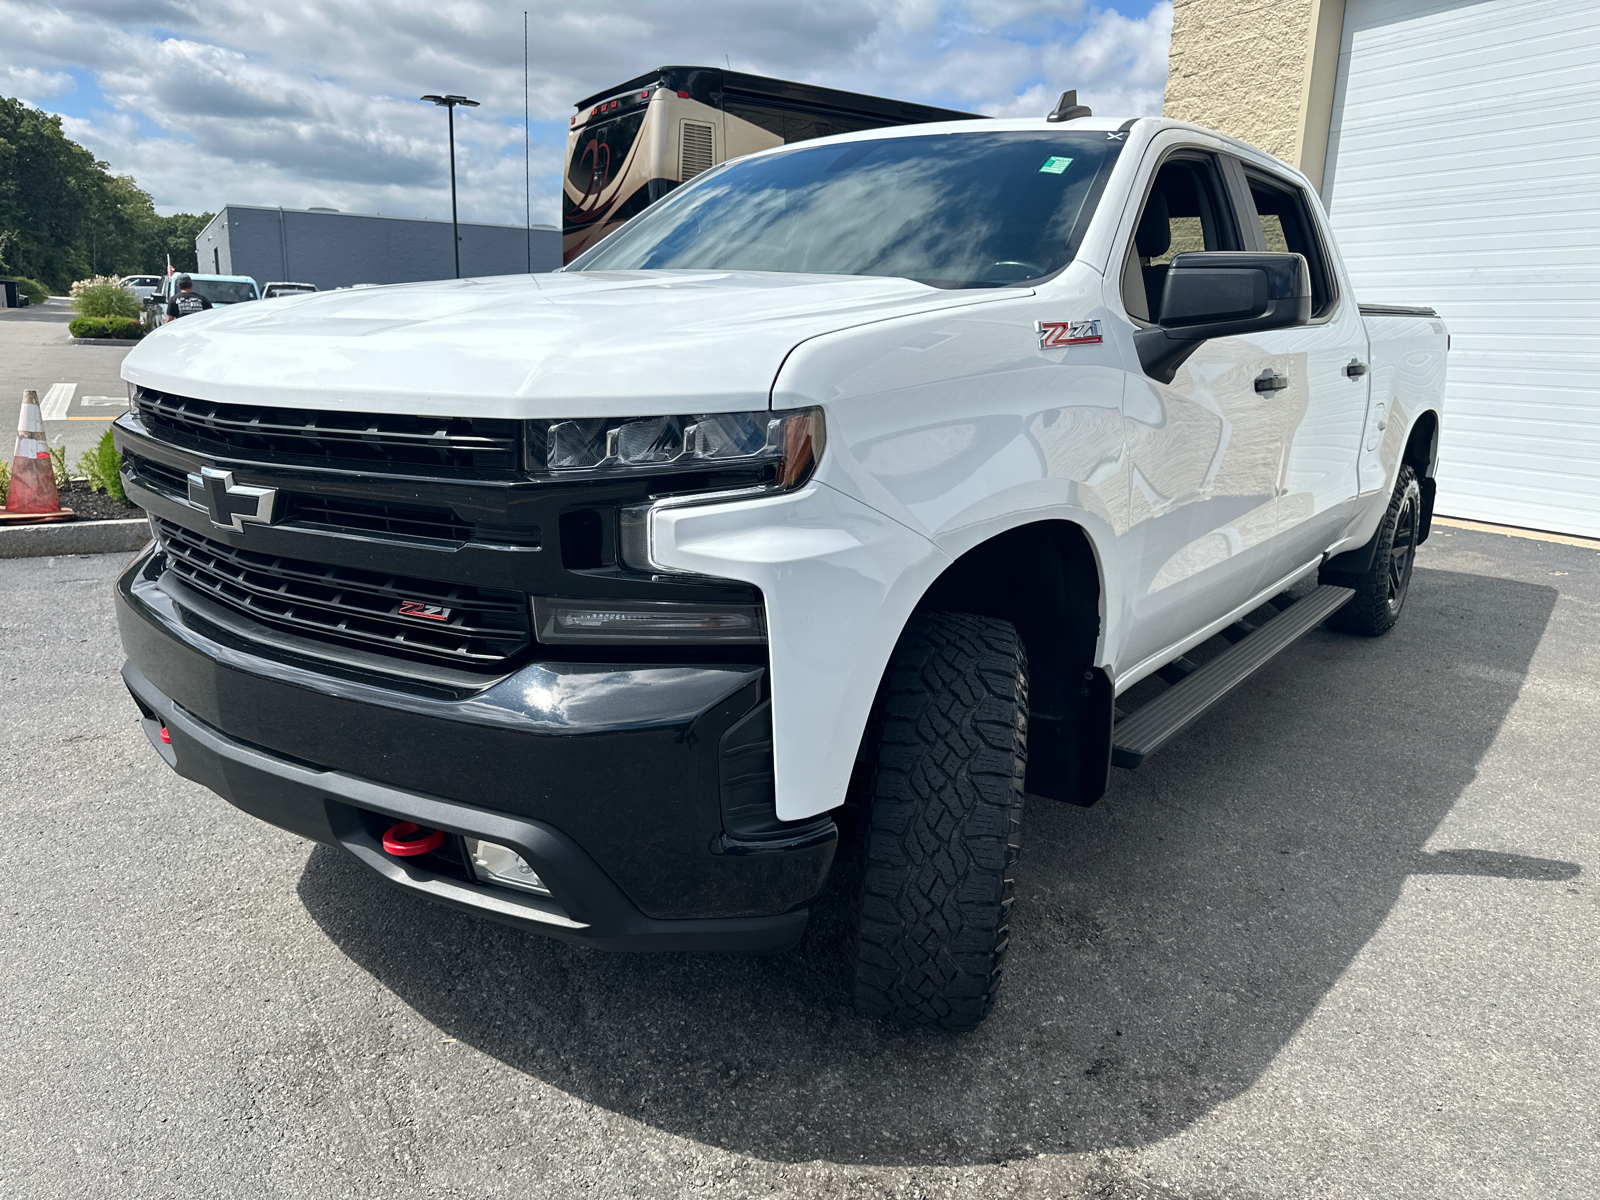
(635, 343)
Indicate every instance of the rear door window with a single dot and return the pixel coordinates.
(1287, 225)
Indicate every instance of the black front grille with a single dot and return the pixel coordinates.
(439, 621)
(365, 516)
(477, 446)
(337, 513)
(159, 477)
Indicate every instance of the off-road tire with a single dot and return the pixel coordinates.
(1381, 589)
(945, 824)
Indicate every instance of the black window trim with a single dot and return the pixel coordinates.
(1252, 231)
(1242, 234)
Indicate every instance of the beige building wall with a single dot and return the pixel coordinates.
(1260, 70)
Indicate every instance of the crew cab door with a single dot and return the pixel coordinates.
(1319, 412)
(1205, 451)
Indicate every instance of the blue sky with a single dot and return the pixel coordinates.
(209, 102)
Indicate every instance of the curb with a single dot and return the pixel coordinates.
(128, 342)
(74, 537)
(1518, 531)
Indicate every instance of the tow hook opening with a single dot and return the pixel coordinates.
(155, 728)
(408, 839)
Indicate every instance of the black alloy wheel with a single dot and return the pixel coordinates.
(1381, 589)
(1403, 552)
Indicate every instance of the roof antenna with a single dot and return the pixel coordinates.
(1068, 109)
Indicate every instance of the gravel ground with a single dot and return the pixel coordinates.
(1338, 941)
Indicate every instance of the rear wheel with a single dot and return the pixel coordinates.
(945, 823)
(1381, 589)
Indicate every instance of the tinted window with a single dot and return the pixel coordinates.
(952, 210)
(1186, 210)
(797, 126)
(1287, 226)
(224, 291)
(602, 149)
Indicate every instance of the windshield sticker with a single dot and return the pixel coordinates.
(1054, 165)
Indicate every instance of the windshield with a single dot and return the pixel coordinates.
(963, 209)
(224, 291)
(601, 150)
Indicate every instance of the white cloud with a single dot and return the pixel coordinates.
(34, 83)
(296, 103)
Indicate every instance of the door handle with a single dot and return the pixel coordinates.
(1355, 369)
(1268, 383)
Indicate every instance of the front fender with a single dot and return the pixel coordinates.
(840, 581)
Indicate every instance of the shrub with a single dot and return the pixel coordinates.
(104, 296)
(127, 328)
(35, 291)
(103, 468)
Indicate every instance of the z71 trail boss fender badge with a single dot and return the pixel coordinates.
(1067, 333)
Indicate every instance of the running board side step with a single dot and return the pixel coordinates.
(1148, 728)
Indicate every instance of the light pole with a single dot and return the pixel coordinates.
(448, 103)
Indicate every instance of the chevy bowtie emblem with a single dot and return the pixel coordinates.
(1067, 333)
(231, 504)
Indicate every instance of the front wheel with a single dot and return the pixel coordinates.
(1381, 588)
(933, 913)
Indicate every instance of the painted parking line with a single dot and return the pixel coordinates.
(104, 401)
(56, 401)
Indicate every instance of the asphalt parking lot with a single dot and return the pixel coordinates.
(1339, 941)
(80, 387)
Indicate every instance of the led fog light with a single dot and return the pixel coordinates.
(497, 864)
(646, 621)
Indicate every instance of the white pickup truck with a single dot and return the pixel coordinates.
(824, 511)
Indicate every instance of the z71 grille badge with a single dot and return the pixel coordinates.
(428, 612)
(1053, 334)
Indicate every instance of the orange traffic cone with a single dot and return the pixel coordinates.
(33, 495)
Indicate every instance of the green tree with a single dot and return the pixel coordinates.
(174, 235)
(64, 216)
(46, 183)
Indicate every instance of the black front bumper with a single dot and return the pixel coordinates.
(608, 778)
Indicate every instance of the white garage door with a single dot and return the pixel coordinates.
(1464, 172)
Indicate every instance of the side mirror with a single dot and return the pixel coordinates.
(1221, 293)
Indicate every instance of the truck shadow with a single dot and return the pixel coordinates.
(1167, 943)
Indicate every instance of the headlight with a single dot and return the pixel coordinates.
(790, 442)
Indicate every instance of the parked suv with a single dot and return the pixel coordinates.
(824, 511)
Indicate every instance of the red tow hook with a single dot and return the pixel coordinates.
(402, 841)
(166, 738)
